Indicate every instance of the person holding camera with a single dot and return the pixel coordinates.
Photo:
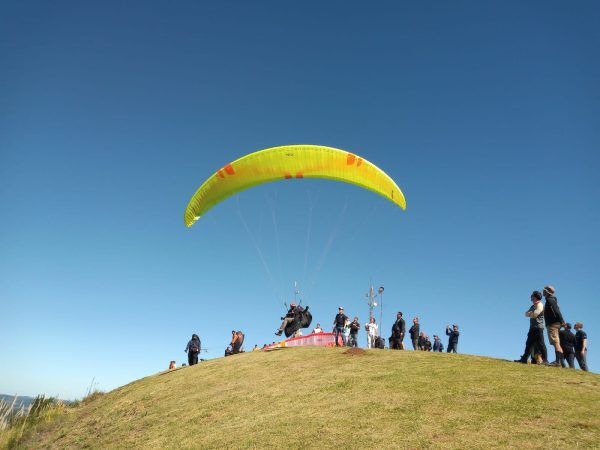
(354, 329)
(452, 334)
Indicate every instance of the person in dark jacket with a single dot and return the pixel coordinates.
(414, 333)
(535, 345)
(452, 334)
(427, 344)
(421, 341)
(554, 321)
(581, 346)
(338, 326)
(437, 344)
(289, 318)
(192, 349)
(398, 330)
(567, 343)
(354, 329)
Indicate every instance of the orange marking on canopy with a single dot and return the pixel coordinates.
(220, 172)
(359, 162)
(288, 175)
(229, 169)
(299, 175)
(350, 159)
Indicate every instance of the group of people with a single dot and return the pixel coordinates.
(348, 331)
(568, 347)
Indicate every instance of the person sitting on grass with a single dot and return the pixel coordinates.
(421, 341)
(427, 344)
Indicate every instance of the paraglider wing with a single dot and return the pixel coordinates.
(286, 162)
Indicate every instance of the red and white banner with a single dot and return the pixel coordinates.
(314, 339)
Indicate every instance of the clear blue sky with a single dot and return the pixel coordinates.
(111, 115)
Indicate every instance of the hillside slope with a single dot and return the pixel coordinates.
(322, 398)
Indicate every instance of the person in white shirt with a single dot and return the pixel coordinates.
(372, 333)
(318, 329)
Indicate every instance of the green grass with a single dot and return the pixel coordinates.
(324, 398)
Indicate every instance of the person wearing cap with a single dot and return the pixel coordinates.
(554, 320)
(338, 326)
(535, 337)
(581, 346)
(414, 333)
(289, 318)
(437, 344)
(452, 334)
(567, 343)
(398, 331)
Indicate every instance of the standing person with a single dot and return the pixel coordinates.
(452, 334)
(398, 331)
(567, 343)
(414, 333)
(338, 326)
(581, 346)
(437, 344)
(554, 320)
(192, 349)
(354, 329)
(372, 333)
(289, 318)
(535, 337)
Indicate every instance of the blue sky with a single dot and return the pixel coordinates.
(112, 115)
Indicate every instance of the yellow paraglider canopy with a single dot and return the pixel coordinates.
(290, 161)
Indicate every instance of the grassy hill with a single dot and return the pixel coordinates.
(325, 398)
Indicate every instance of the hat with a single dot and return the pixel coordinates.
(341, 307)
(292, 304)
(549, 289)
(536, 294)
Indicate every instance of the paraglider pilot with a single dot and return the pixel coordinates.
(289, 318)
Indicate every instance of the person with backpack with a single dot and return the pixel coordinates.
(354, 329)
(193, 349)
(554, 321)
(535, 345)
(339, 322)
(567, 343)
(581, 346)
(414, 333)
(237, 339)
(452, 334)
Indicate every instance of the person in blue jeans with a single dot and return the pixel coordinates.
(338, 326)
(452, 334)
